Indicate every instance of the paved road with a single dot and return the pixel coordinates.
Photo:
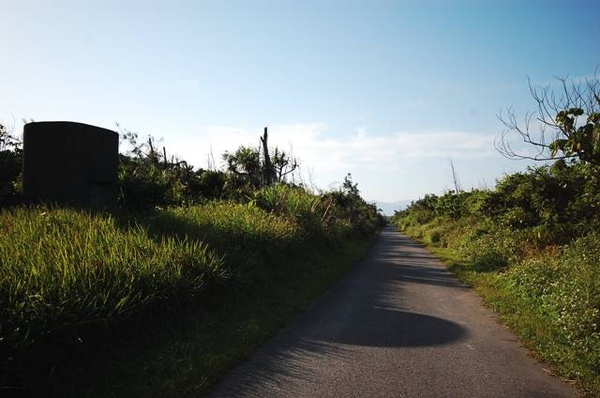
(398, 325)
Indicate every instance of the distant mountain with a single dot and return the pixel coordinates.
(388, 208)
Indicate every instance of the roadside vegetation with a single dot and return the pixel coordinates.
(531, 245)
(161, 297)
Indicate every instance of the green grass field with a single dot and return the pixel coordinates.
(159, 305)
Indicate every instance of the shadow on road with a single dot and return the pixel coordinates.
(280, 369)
(294, 358)
(412, 264)
(381, 327)
(366, 309)
(372, 308)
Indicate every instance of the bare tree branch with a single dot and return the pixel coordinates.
(563, 119)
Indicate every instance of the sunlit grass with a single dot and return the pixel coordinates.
(160, 304)
(186, 360)
(65, 267)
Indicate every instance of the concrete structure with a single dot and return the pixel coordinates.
(69, 163)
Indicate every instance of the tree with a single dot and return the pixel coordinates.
(267, 167)
(149, 178)
(569, 123)
(11, 157)
(260, 170)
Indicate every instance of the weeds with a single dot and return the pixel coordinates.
(63, 267)
(74, 285)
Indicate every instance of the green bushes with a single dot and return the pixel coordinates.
(148, 179)
(350, 207)
(64, 267)
(548, 205)
(11, 156)
(317, 216)
(67, 274)
(563, 287)
(277, 222)
(531, 248)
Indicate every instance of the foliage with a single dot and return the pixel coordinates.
(364, 217)
(313, 214)
(246, 236)
(566, 289)
(245, 172)
(550, 204)
(561, 133)
(11, 158)
(148, 179)
(69, 275)
(185, 239)
(250, 168)
(582, 141)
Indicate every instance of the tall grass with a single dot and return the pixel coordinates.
(314, 215)
(248, 238)
(222, 223)
(67, 274)
(62, 268)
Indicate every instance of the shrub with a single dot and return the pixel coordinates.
(11, 157)
(566, 288)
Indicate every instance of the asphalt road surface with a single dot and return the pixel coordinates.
(398, 325)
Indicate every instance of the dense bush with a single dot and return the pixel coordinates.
(68, 274)
(314, 215)
(563, 288)
(10, 167)
(363, 217)
(149, 179)
(550, 204)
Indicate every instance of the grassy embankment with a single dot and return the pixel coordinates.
(94, 305)
(542, 275)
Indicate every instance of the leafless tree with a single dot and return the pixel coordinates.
(567, 119)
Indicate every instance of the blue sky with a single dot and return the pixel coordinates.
(388, 91)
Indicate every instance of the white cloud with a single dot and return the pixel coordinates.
(326, 158)
(313, 145)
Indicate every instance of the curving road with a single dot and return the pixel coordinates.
(398, 325)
